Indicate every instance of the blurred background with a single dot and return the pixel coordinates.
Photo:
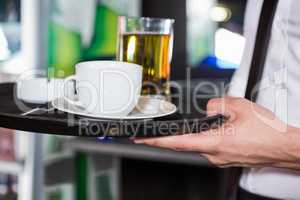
(55, 34)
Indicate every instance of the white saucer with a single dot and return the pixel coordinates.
(148, 107)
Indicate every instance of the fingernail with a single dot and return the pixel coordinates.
(139, 141)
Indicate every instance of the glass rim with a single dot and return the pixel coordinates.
(148, 18)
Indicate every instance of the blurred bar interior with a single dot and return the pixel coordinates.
(56, 34)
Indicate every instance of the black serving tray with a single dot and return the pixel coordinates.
(59, 123)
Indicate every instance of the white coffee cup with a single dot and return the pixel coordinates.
(107, 88)
(45, 90)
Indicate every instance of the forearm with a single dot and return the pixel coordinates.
(290, 150)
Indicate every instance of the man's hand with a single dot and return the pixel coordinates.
(253, 137)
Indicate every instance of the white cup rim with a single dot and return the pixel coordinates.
(102, 64)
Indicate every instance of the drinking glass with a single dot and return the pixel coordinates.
(149, 43)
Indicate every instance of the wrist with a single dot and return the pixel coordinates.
(290, 149)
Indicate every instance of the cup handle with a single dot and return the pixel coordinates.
(70, 101)
(94, 95)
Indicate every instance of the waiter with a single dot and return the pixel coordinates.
(263, 137)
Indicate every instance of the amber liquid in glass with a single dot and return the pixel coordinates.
(152, 52)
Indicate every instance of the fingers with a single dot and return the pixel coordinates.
(202, 142)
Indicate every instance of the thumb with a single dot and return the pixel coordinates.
(222, 106)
